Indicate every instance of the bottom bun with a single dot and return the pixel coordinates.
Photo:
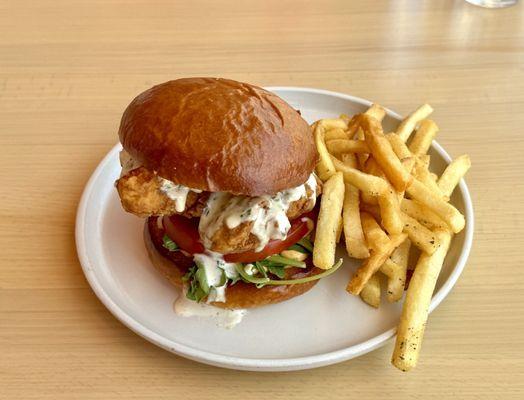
(173, 265)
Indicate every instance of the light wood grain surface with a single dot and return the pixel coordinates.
(67, 71)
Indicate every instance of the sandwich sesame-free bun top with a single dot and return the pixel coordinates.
(217, 134)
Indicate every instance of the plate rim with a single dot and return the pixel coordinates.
(256, 364)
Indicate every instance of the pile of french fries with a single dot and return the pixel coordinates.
(379, 191)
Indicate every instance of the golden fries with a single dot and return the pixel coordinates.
(328, 221)
(372, 264)
(338, 146)
(335, 134)
(419, 235)
(339, 230)
(423, 137)
(344, 117)
(371, 291)
(398, 146)
(376, 111)
(371, 167)
(420, 172)
(350, 160)
(401, 255)
(453, 174)
(325, 168)
(416, 305)
(371, 209)
(396, 279)
(422, 214)
(369, 175)
(383, 153)
(424, 160)
(444, 210)
(406, 127)
(390, 213)
(333, 123)
(356, 245)
(375, 236)
(364, 182)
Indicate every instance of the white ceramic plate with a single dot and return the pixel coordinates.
(323, 326)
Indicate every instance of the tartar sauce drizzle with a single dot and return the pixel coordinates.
(177, 193)
(224, 318)
(214, 266)
(268, 213)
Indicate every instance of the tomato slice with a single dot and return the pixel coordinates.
(299, 229)
(184, 232)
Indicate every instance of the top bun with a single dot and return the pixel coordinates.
(217, 135)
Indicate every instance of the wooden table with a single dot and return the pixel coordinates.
(68, 70)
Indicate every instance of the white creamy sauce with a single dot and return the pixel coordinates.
(250, 269)
(268, 213)
(214, 267)
(177, 193)
(224, 318)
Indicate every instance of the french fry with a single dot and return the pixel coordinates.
(406, 127)
(364, 182)
(325, 168)
(371, 291)
(424, 160)
(350, 160)
(376, 111)
(332, 123)
(422, 214)
(444, 210)
(361, 157)
(372, 264)
(390, 213)
(356, 245)
(420, 172)
(371, 167)
(401, 254)
(408, 164)
(328, 221)
(383, 153)
(369, 199)
(335, 134)
(376, 238)
(419, 235)
(453, 173)
(396, 279)
(372, 210)
(339, 230)
(344, 117)
(395, 268)
(398, 146)
(338, 146)
(366, 177)
(416, 305)
(423, 137)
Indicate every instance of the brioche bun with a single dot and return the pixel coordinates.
(217, 135)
